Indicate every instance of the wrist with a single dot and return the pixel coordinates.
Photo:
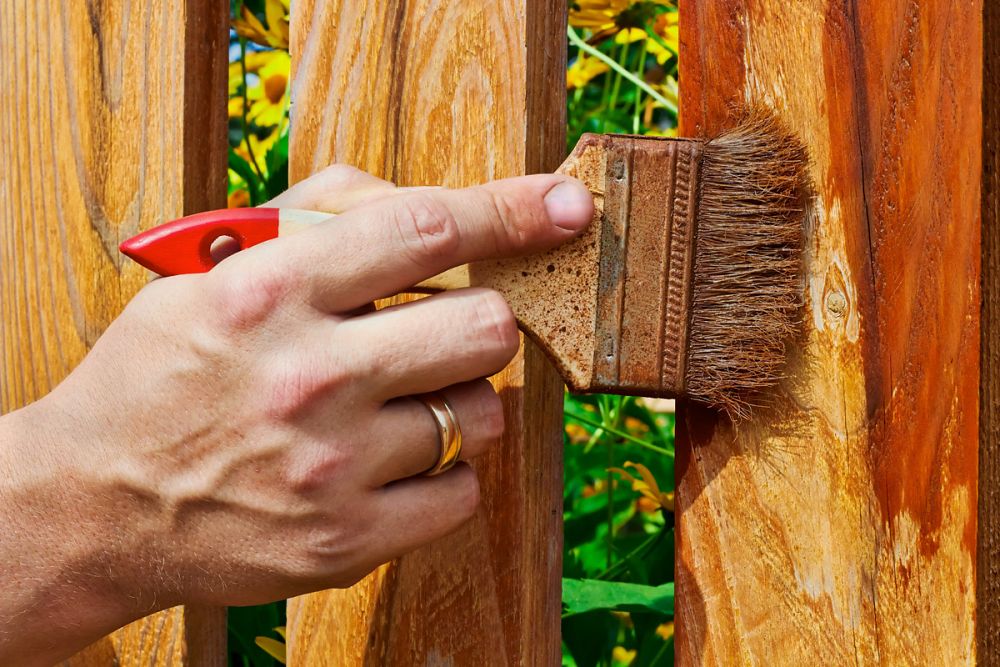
(63, 557)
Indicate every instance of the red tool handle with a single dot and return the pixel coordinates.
(185, 245)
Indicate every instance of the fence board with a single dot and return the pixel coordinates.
(988, 571)
(113, 120)
(840, 525)
(452, 92)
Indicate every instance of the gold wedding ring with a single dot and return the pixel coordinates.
(451, 434)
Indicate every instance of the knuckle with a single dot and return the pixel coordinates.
(291, 385)
(312, 192)
(317, 470)
(336, 173)
(495, 322)
(427, 229)
(245, 299)
(287, 391)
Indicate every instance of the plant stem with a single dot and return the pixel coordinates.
(605, 94)
(246, 105)
(622, 434)
(659, 654)
(639, 550)
(622, 59)
(610, 481)
(645, 87)
(638, 91)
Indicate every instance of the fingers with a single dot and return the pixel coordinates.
(406, 440)
(335, 189)
(418, 510)
(425, 345)
(380, 248)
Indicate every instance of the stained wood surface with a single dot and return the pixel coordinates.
(113, 120)
(988, 572)
(839, 526)
(446, 92)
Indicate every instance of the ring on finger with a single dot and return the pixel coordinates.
(448, 429)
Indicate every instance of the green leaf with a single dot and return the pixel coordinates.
(247, 173)
(276, 162)
(582, 595)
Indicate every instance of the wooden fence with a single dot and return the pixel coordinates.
(854, 522)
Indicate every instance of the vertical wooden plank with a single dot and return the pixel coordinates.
(454, 92)
(988, 570)
(113, 121)
(839, 526)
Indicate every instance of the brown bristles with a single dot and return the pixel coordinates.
(747, 292)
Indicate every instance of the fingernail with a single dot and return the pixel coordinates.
(569, 205)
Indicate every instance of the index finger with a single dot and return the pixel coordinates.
(382, 248)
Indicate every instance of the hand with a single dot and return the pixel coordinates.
(249, 434)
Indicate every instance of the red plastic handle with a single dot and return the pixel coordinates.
(184, 245)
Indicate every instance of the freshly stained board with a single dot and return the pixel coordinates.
(839, 525)
(988, 570)
(450, 92)
(113, 119)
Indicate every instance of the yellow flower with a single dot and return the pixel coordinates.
(273, 647)
(666, 27)
(630, 35)
(275, 34)
(269, 97)
(266, 101)
(255, 61)
(596, 15)
(647, 486)
(271, 92)
(666, 630)
(622, 655)
(583, 69)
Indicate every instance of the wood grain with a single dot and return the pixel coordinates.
(112, 121)
(446, 92)
(988, 570)
(839, 525)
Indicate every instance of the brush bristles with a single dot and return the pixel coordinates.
(747, 292)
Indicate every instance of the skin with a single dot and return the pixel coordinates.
(249, 434)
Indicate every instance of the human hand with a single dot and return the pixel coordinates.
(248, 434)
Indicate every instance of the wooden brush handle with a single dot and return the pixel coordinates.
(455, 278)
(610, 308)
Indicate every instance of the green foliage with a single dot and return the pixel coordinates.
(622, 77)
(618, 561)
(248, 623)
(618, 550)
(582, 595)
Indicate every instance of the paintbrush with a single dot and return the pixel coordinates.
(687, 283)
